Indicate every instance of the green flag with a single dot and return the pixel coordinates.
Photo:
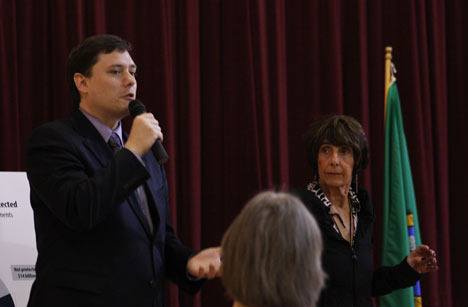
(399, 198)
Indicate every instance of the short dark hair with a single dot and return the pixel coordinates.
(83, 57)
(338, 130)
(271, 254)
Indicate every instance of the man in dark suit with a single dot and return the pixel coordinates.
(100, 198)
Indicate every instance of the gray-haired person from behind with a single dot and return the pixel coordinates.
(272, 254)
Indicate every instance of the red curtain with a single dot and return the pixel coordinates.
(236, 83)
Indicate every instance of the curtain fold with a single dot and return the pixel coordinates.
(236, 84)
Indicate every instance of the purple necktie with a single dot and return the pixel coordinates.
(115, 144)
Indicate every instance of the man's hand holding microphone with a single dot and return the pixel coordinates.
(146, 134)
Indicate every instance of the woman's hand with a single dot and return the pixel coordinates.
(423, 259)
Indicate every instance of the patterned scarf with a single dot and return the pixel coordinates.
(314, 187)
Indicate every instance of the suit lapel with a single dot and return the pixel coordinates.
(150, 185)
(134, 204)
(95, 144)
(92, 140)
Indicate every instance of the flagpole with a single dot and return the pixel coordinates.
(388, 76)
(400, 220)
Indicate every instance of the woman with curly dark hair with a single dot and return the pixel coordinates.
(337, 151)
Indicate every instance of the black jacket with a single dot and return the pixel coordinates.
(352, 280)
(94, 243)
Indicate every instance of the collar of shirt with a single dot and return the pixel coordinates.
(103, 130)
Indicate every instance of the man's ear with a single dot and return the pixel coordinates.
(81, 83)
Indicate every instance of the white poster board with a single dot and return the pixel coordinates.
(17, 239)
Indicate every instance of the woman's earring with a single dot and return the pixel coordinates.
(315, 178)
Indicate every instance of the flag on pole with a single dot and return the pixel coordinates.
(399, 206)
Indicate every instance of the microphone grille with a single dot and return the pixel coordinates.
(136, 107)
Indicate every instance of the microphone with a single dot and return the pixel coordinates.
(136, 107)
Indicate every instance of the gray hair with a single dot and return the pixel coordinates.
(272, 254)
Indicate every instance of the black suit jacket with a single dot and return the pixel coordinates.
(94, 244)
